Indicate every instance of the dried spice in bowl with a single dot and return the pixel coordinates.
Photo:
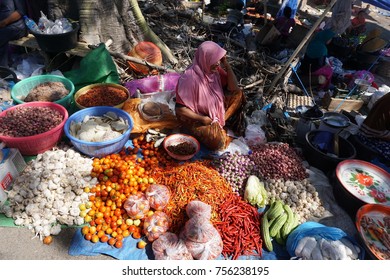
(183, 149)
(101, 95)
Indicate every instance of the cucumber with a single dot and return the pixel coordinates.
(275, 210)
(289, 224)
(275, 227)
(264, 227)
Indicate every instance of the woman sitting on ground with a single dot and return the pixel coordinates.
(314, 62)
(358, 24)
(202, 106)
(284, 24)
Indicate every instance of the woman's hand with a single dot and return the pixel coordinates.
(207, 120)
(224, 62)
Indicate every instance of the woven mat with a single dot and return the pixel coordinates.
(293, 101)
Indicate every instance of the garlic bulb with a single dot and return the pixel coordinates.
(49, 191)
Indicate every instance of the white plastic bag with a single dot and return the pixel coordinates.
(254, 135)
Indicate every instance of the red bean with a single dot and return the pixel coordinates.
(28, 121)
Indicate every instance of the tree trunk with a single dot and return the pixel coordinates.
(121, 21)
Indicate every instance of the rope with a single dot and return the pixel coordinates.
(300, 81)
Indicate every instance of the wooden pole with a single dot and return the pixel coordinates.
(298, 49)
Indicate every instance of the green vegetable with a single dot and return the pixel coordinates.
(277, 224)
(289, 224)
(264, 227)
(255, 193)
(275, 210)
(279, 239)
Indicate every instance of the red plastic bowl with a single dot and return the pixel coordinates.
(178, 138)
(36, 144)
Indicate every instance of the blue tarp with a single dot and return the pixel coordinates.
(383, 4)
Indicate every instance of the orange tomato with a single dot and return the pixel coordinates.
(136, 235)
(95, 238)
(112, 241)
(88, 236)
(104, 238)
(85, 230)
(118, 244)
(141, 244)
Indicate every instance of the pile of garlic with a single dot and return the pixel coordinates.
(49, 191)
(301, 196)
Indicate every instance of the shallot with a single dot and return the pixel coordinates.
(277, 161)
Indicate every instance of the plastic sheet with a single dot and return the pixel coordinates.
(166, 82)
(316, 229)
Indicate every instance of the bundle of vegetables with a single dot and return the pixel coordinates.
(169, 247)
(155, 225)
(202, 239)
(301, 196)
(158, 196)
(235, 168)
(192, 181)
(277, 161)
(239, 228)
(278, 222)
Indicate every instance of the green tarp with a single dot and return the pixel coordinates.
(96, 67)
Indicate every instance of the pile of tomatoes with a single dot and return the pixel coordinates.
(119, 176)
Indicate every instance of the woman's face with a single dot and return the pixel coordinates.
(214, 67)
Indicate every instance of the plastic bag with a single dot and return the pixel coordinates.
(209, 250)
(5, 95)
(156, 225)
(169, 247)
(166, 82)
(238, 146)
(258, 117)
(158, 196)
(198, 209)
(254, 135)
(198, 230)
(313, 229)
(137, 206)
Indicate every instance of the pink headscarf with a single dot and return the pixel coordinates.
(200, 89)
